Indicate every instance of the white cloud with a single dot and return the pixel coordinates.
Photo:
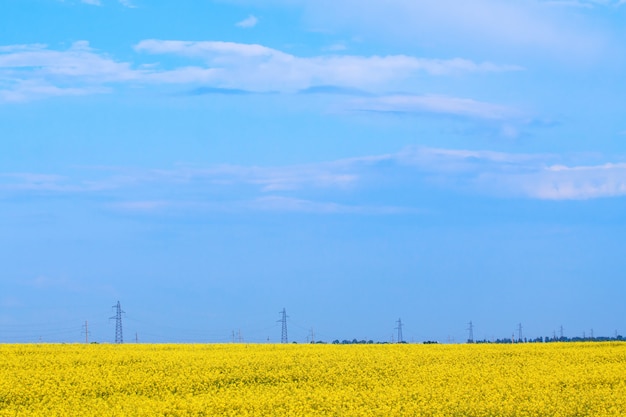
(588, 4)
(569, 3)
(142, 206)
(288, 204)
(336, 47)
(492, 27)
(265, 203)
(259, 68)
(35, 71)
(207, 49)
(520, 175)
(503, 121)
(31, 89)
(436, 104)
(125, 3)
(267, 179)
(45, 283)
(560, 182)
(464, 160)
(79, 61)
(340, 186)
(50, 183)
(184, 75)
(249, 22)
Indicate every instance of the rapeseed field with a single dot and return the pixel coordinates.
(556, 379)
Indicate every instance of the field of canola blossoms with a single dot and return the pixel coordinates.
(557, 379)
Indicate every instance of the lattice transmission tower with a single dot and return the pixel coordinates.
(399, 329)
(470, 339)
(119, 336)
(283, 320)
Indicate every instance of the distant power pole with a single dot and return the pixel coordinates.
(399, 329)
(283, 320)
(471, 332)
(519, 332)
(561, 332)
(119, 338)
(86, 326)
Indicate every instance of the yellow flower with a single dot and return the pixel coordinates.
(556, 379)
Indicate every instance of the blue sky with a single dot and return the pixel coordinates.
(208, 163)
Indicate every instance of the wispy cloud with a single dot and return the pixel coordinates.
(336, 47)
(436, 104)
(51, 183)
(534, 176)
(330, 175)
(560, 182)
(249, 22)
(259, 68)
(588, 4)
(125, 3)
(340, 186)
(34, 182)
(525, 27)
(35, 71)
(43, 282)
(142, 206)
(331, 89)
(503, 121)
(289, 204)
(215, 90)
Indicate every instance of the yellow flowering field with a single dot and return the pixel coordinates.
(555, 379)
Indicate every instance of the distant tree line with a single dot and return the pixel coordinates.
(547, 339)
(367, 342)
(353, 342)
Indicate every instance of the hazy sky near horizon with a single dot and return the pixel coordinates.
(209, 162)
